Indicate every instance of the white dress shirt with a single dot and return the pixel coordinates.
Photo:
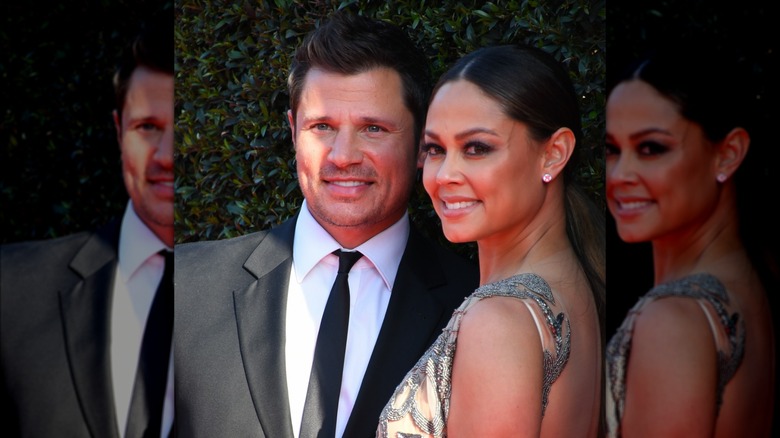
(138, 274)
(314, 270)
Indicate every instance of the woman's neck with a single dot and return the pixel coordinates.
(532, 249)
(706, 248)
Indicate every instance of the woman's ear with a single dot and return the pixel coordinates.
(557, 151)
(731, 152)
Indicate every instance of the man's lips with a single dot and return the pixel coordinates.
(347, 188)
(162, 186)
(349, 183)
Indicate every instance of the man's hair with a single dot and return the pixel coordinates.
(152, 48)
(351, 44)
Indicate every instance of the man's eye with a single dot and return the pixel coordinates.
(147, 126)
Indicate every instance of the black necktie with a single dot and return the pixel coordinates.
(146, 406)
(322, 397)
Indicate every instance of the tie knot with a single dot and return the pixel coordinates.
(168, 255)
(347, 259)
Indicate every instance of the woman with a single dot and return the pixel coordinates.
(522, 355)
(694, 356)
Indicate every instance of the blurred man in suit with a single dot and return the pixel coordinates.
(85, 333)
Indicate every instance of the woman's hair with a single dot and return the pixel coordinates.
(715, 85)
(533, 88)
(705, 89)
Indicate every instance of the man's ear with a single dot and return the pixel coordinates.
(557, 151)
(291, 121)
(731, 151)
(117, 127)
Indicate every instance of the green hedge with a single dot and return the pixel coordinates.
(234, 165)
(60, 158)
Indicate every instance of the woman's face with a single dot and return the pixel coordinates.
(481, 169)
(660, 167)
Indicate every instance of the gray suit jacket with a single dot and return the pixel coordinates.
(229, 331)
(55, 298)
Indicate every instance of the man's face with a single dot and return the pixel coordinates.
(354, 144)
(145, 136)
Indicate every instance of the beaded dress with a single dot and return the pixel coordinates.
(420, 404)
(727, 327)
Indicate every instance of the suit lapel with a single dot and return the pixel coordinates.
(404, 336)
(85, 316)
(260, 318)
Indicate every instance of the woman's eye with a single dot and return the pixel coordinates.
(432, 149)
(611, 149)
(651, 148)
(477, 148)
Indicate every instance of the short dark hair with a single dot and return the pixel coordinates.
(351, 44)
(152, 48)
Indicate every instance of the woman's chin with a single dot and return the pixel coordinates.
(456, 236)
(631, 237)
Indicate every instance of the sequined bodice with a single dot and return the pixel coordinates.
(420, 405)
(710, 292)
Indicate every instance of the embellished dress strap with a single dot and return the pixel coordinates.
(420, 404)
(532, 288)
(727, 328)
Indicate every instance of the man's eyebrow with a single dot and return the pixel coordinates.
(366, 120)
(313, 119)
(143, 118)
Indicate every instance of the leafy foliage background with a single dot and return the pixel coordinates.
(234, 166)
(60, 170)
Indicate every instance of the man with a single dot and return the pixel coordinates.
(249, 309)
(75, 308)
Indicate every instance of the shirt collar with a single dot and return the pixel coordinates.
(384, 250)
(136, 242)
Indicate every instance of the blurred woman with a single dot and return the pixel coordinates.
(694, 356)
